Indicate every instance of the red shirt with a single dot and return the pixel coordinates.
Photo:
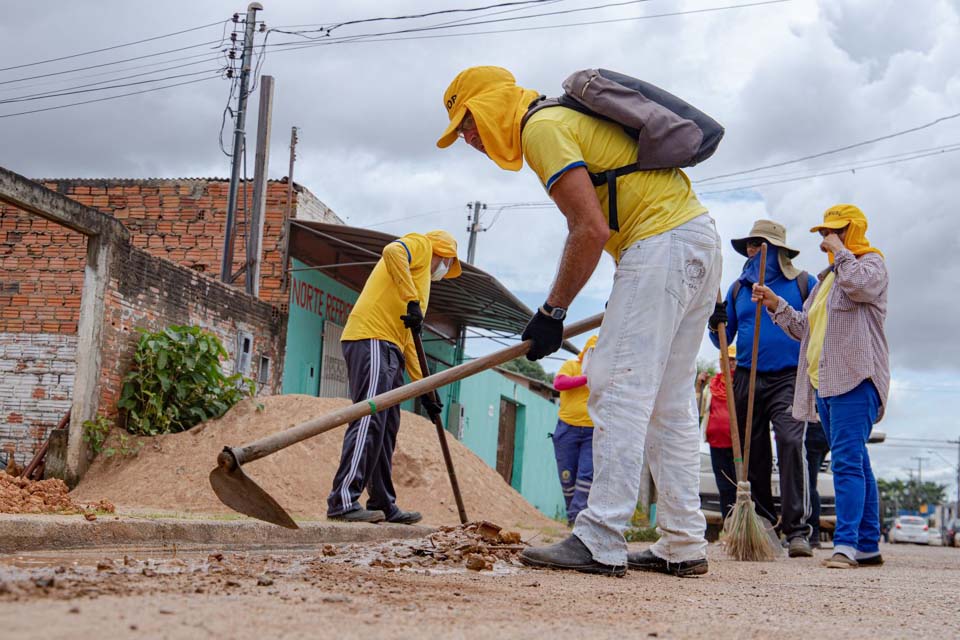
(718, 426)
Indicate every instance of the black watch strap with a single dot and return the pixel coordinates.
(557, 313)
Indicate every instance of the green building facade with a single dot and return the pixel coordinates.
(504, 423)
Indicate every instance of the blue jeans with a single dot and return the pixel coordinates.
(573, 447)
(847, 421)
(725, 473)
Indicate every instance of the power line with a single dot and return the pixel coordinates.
(330, 28)
(121, 95)
(826, 173)
(107, 64)
(206, 57)
(836, 150)
(107, 88)
(373, 37)
(116, 46)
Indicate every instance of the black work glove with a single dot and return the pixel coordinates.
(719, 315)
(431, 402)
(546, 333)
(414, 318)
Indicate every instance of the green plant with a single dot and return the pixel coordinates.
(177, 382)
(640, 529)
(95, 433)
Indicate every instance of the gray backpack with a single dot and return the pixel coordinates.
(670, 132)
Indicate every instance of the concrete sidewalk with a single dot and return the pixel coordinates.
(44, 532)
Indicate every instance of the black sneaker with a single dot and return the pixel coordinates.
(870, 561)
(359, 515)
(570, 554)
(647, 561)
(405, 517)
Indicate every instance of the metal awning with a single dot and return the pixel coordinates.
(348, 255)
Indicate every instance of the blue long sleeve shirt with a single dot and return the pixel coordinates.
(777, 350)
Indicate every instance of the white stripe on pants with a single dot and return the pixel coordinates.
(641, 392)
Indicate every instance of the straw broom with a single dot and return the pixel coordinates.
(747, 537)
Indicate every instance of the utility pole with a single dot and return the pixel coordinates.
(261, 168)
(238, 139)
(288, 214)
(919, 460)
(956, 507)
(474, 229)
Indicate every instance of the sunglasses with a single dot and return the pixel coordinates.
(756, 243)
(467, 124)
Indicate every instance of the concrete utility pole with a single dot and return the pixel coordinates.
(474, 229)
(288, 214)
(238, 139)
(261, 167)
(919, 460)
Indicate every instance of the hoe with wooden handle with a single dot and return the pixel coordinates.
(236, 490)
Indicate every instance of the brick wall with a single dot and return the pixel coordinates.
(36, 378)
(170, 221)
(153, 293)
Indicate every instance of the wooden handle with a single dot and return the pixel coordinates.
(731, 405)
(282, 439)
(748, 428)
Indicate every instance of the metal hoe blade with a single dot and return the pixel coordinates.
(236, 490)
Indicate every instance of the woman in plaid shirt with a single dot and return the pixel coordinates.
(844, 372)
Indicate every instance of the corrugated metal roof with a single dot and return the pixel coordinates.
(348, 254)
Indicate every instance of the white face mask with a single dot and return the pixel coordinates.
(440, 271)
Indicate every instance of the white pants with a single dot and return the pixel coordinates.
(641, 392)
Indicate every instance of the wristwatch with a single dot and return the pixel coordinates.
(557, 313)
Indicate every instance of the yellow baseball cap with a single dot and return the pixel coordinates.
(732, 351)
(445, 246)
(468, 84)
(839, 216)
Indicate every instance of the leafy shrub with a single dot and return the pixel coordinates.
(95, 433)
(177, 382)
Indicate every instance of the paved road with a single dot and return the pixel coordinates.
(312, 595)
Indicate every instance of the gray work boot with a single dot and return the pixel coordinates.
(799, 548)
(570, 554)
(359, 515)
(405, 517)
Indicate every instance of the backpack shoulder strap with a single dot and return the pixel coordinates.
(804, 285)
(598, 179)
(736, 291)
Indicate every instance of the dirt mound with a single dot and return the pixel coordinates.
(170, 472)
(19, 495)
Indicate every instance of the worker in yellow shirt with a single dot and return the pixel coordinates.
(573, 437)
(641, 372)
(377, 345)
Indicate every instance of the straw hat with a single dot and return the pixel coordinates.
(774, 234)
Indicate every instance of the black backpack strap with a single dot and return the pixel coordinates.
(736, 290)
(804, 286)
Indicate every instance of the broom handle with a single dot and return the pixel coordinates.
(731, 405)
(753, 363)
(276, 441)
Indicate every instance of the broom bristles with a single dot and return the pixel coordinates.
(747, 539)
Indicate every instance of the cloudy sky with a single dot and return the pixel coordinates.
(788, 80)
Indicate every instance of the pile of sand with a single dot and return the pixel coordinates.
(170, 472)
(20, 495)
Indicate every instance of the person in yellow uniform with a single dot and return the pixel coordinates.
(642, 370)
(377, 345)
(573, 437)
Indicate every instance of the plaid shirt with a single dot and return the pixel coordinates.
(855, 346)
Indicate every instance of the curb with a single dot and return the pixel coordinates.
(49, 532)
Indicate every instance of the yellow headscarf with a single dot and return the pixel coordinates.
(497, 104)
(445, 246)
(848, 216)
(591, 342)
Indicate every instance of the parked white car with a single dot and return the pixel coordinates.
(909, 529)
(934, 537)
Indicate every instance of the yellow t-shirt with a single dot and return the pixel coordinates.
(648, 202)
(401, 275)
(817, 329)
(573, 402)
